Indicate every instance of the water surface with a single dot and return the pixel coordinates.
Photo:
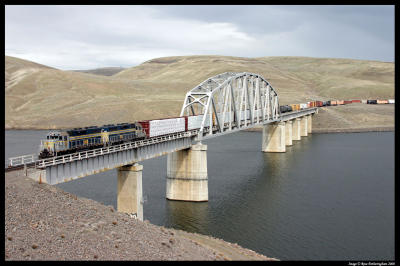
(329, 197)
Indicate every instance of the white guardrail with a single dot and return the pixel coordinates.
(21, 160)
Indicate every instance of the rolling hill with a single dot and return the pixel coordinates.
(38, 96)
(104, 71)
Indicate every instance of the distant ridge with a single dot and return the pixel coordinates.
(38, 96)
(104, 71)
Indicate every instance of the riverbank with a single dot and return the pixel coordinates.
(338, 130)
(43, 222)
(351, 118)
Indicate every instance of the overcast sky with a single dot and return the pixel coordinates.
(85, 37)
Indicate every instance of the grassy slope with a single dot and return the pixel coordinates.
(104, 71)
(41, 97)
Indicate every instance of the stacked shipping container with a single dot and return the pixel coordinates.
(159, 127)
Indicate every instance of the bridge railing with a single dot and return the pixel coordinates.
(31, 158)
(21, 160)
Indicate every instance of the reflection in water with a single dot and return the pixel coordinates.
(187, 216)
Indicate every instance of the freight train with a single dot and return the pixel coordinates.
(61, 142)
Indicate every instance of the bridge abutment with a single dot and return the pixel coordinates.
(303, 126)
(273, 138)
(288, 133)
(309, 124)
(187, 177)
(129, 196)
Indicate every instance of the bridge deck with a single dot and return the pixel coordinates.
(194, 135)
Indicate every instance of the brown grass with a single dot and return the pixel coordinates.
(41, 97)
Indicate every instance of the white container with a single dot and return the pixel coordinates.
(166, 126)
(242, 115)
(194, 122)
(303, 106)
(363, 101)
(228, 117)
(391, 100)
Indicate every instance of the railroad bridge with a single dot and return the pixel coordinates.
(228, 102)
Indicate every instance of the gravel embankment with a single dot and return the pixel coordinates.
(43, 222)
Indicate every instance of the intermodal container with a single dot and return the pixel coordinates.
(319, 103)
(356, 101)
(339, 102)
(381, 101)
(391, 100)
(347, 102)
(363, 101)
(333, 102)
(194, 121)
(303, 105)
(160, 127)
(371, 101)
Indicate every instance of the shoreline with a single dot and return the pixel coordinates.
(44, 222)
(338, 130)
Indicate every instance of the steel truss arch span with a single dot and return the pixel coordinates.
(230, 101)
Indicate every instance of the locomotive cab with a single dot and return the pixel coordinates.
(55, 141)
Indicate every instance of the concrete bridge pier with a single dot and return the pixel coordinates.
(187, 177)
(288, 133)
(129, 197)
(303, 126)
(309, 124)
(273, 138)
(296, 129)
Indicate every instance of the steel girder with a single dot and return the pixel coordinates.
(231, 101)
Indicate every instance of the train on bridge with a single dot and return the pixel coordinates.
(62, 142)
(300, 106)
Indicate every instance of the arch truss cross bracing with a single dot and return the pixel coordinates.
(231, 101)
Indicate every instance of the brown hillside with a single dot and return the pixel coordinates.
(43, 97)
(104, 71)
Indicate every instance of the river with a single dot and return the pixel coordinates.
(329, 197)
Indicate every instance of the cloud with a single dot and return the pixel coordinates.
(83, 37)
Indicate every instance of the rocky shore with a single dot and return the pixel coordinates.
(43, 222)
